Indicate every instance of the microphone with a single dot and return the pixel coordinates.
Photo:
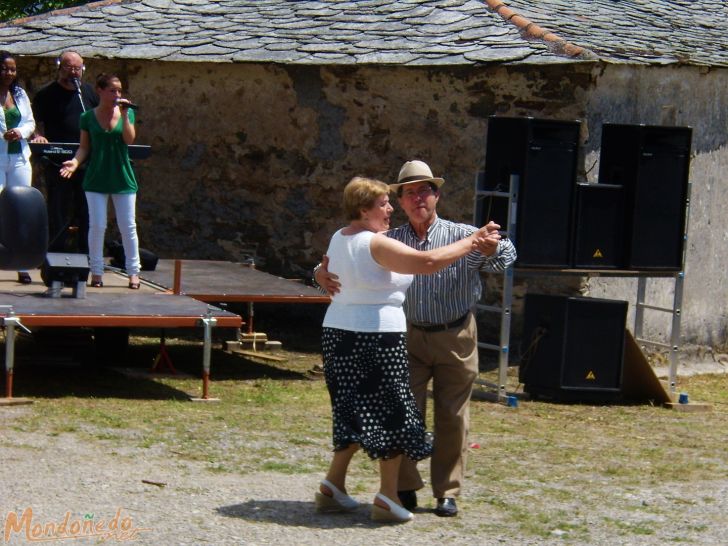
(77, 85)
(127, 104)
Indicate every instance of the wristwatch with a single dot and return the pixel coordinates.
(313, 277)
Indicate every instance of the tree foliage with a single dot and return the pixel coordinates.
(13, 9)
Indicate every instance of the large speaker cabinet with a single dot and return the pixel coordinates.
(598, 236)
(544, 155)
(652, 163)
(573, 347)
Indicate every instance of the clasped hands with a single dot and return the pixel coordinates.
(485, 240)
(12, 135)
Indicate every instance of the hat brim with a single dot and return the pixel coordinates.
(437, 181)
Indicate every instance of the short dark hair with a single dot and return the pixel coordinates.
(103, 80)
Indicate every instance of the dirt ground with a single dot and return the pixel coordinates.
(149, 496)
(160, 500)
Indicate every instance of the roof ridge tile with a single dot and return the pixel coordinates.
(532, 31)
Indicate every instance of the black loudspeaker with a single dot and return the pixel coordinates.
(23, 228)
(147, 259)
(598, 237)
(652, 163)
(68, 269)
(544, 155)
(574, 347)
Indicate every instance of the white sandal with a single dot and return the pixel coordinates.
(394, 512)
(338, 502)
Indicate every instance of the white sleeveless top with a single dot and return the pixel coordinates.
(371, 296)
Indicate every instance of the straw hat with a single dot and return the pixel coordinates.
(415, 171)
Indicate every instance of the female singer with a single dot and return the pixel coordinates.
(106, 132)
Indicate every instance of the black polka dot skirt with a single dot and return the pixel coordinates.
(372, 404)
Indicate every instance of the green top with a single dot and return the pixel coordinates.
(109, 169)
(12, 120)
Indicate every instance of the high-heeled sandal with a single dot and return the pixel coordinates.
(134, 285)
(96, 282)
(24, 277)
(394, 513)
(337, 502)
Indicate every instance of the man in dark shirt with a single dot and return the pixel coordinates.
(57, 108)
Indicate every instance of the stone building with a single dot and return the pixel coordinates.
(259, 111)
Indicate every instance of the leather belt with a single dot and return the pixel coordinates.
(440, 327)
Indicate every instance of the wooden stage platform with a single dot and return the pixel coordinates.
(217, 281)
(176, 295)
(228, 282)
(113, 305)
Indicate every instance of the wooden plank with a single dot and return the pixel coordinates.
(692, 407)
(262, 356)
(639, 381)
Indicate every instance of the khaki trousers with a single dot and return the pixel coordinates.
(450, 359)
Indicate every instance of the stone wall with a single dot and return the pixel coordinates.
(250, 159)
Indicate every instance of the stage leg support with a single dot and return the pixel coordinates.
(10, 322)
(207, 323)
(163, 360)
(251, 314)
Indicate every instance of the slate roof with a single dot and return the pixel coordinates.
(395, 32)
(638, 31)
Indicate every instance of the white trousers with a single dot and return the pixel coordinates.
(15, 170)
(125, 208)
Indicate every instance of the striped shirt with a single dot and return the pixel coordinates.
(449, 294)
